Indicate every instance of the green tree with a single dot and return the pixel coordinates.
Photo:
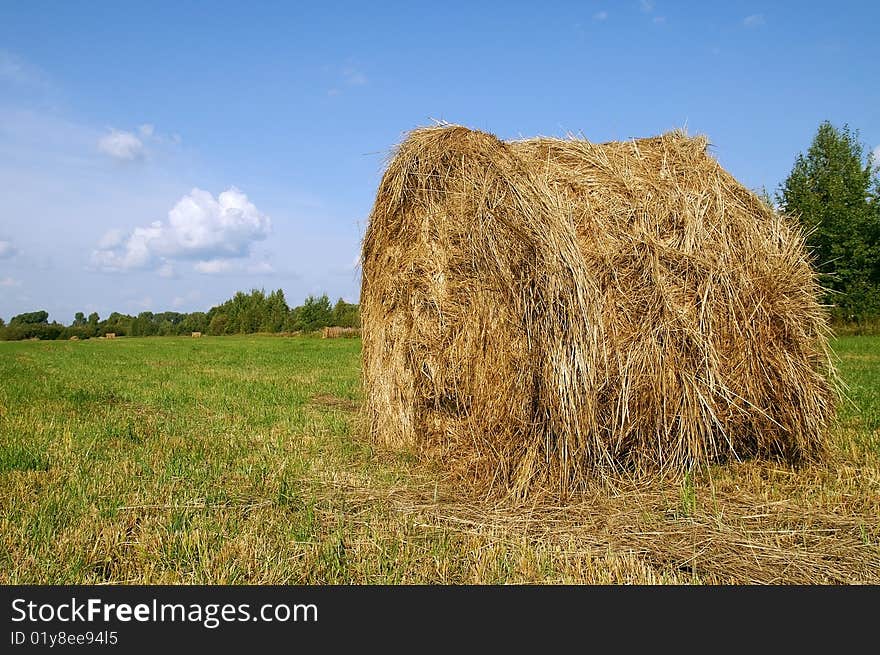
(276, 312)
(117, 323)
(314, 314)
(218, 323)
(833, 190)
(79, 320)
(30, 318)
(345, 314)
(143, 325)
(92, 327)
(195, 322)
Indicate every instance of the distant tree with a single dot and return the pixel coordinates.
(143, 325)
(30, 318)
(314, 314)
(833, 189)
(92, 327)
(345, 314)
(276, 312)
(218, 324)
(168, 323)
(2, 323)
(80, 332)
(194, 322)
(117, 323)
(79, 320)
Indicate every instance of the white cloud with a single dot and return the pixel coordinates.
(167, 270)
(111, 239)
(647, 6)
(213, 266)
(600, 16)
(7, 250)
(146, 130)
(220, 265)
(9, 282)
(199, 227)
(755, 20)
(260, 267)
(121, 145)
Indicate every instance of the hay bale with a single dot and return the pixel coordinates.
(545, 311)
(196, 335)
(335, 332)
(110, 335)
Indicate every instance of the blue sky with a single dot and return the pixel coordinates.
(164, 155)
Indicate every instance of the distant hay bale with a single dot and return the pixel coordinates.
(336, 332)
(196, 335)
(74, 338)
(545, 311)
(110, 335)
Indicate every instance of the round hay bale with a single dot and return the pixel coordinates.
(544, 311)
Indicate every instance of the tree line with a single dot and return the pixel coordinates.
(244, 313)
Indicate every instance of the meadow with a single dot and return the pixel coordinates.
(239, 460)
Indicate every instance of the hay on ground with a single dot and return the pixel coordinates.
(547, 311)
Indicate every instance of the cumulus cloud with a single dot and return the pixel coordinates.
(199, 228)
(111, 239)
(218, 266)
(260, 267)
(755, 20)
(600, 16)
(146, 130)
(214, 266)
(7, 250)
(121, 145)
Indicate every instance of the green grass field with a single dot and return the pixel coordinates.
(238, 460)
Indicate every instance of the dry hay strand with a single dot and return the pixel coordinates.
(544, 312)
(753, 525)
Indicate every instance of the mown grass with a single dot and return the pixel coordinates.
(237, 460)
